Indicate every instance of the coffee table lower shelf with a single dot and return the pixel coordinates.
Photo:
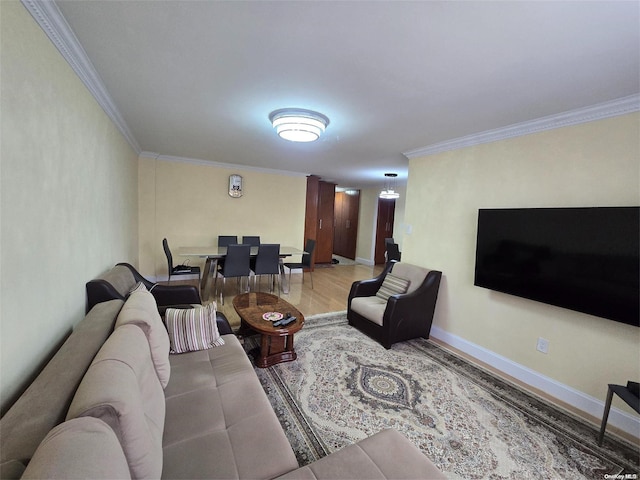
(273, 350)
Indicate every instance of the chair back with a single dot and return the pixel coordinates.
(253, 241)
(167, 252)
(309, 247)
(236, 262)
(226, 240)
(388, 240)
(393, 252)
(268, 259)
(415, 274)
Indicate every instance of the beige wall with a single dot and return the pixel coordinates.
(367, 225)
(68, 197)
(593, 164)
(188, 204)
(367, 222)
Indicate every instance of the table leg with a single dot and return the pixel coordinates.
(283, 279)
(205, 277)
(605, 416)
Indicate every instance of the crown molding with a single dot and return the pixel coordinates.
(592, 113)
(230, 166)
(47, 14)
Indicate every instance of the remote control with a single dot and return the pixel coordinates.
(284, 322)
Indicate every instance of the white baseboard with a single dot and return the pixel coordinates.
(580, 400)
(364, 261)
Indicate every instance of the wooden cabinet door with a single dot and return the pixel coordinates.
(345, 235)
(324, 245)
(351, 242)
(384, 227)
(311, 209)
(339, 233)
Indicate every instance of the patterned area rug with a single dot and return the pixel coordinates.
(344, 387)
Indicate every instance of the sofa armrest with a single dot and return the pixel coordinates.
(387, 454)
(167, 295)
(223, 324)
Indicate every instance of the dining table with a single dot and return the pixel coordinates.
(215, 253)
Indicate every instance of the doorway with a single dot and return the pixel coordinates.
(384, 227)
(345, 235)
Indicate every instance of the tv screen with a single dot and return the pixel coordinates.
(584, 259)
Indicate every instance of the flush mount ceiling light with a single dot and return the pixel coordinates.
(389, 187)
(298, 125)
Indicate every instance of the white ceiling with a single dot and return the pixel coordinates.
(198, 79)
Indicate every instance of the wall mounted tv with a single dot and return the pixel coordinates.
(584, 259)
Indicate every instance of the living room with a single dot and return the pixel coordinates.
(77, 198)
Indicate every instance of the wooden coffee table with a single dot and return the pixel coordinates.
(276, 343)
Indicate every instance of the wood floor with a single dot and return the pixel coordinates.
(331, 285)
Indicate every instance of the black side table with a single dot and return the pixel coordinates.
(629, 394)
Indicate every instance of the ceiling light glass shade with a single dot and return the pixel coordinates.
(298, 125)
(389, 193)
(389, 188)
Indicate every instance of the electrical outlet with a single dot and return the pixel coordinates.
(542, 345)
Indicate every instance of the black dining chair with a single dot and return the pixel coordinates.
(174, 270)
(225, 241)
(306, 263)
(236, 265)
(254, 241)
(393, 252)
(267, 262)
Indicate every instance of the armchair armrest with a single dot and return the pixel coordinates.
(368, 287)
(425, 293)
(421, 301)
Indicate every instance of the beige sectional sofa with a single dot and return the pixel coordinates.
(113, 403)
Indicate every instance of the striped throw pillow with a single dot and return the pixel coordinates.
(193, 329)
(392, 285)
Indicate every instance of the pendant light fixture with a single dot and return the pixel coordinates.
(389, 190)
(298, 125)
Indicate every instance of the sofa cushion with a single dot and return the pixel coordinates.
(231, 430)
(392, 285)
(141, 310)
(81, 448)
(11, 469)
(413, 273)
(193, 329)
(45, 403)
(371, 308)
(122, 388)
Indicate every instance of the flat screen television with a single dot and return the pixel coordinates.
(584, 259)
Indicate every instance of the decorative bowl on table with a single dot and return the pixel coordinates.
(272, 316)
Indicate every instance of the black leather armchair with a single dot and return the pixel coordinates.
(121, 279)
(403, 316)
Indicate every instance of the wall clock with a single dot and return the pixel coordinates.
(235, 186)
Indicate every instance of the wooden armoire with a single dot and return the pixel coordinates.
(345, 235)
(319, 217)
